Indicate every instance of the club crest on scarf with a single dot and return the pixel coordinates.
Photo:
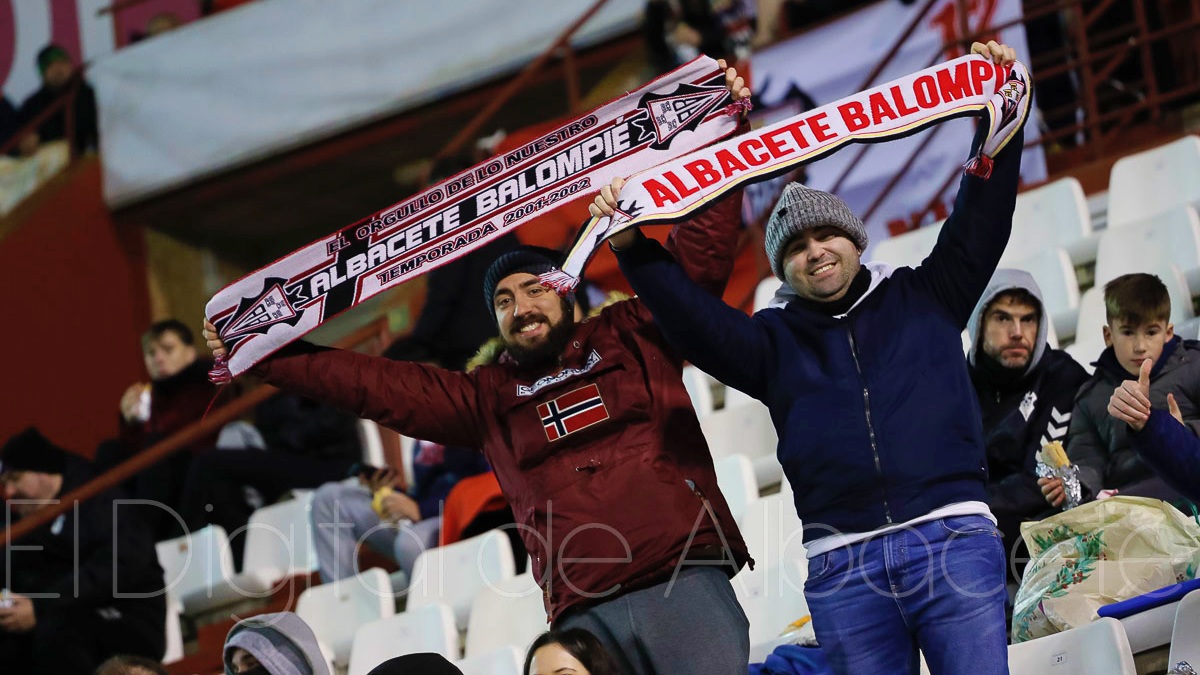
(677, 189)
(683, 109)
(279, 303)
(257, 314)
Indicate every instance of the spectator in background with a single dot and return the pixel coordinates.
(677, 31)
(62, 613)
(58, 71)
(9, 121)
(301, 443)
(1138, 312)
(125, 664)
(453, 323)
(177, 395)
(573, 651)
(1026, 392)
(273, 644)
(405, 523)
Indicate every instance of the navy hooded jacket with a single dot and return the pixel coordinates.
(877, 418)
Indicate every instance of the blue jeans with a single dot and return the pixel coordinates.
(938, 586)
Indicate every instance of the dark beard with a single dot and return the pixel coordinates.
(545, 355)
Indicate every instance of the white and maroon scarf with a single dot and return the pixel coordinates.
(273, 306)
(673, 191)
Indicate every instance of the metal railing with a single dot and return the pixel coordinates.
(374, 336)
(64, 103)
(560, 47)
(1088, 55)
(378, 330)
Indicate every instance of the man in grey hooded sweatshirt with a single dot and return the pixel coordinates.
(1026, 392)
(273, 644)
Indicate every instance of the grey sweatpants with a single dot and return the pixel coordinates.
(342, 519)
(697, 627)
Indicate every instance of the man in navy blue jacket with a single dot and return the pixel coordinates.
(879, 428)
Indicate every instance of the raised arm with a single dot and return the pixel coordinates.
(973, 238)
(718, 339)
(419, 401)
(706, 244)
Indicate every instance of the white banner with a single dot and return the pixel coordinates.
(276, 74)
(834, 61)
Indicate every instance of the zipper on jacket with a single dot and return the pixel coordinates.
(887, 511)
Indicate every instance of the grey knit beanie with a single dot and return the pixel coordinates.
(800, 208)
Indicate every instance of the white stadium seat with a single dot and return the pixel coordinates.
(370, 437)
(1054, 273)
(454, 574)
(1055, 215)
(279, 544)
(198, 569)
(506, 613)
(699, 387)
(1089, 325)
(335, 611)
(908, 249)
(1172, 236)
(772, 530)
(773, 598)
(174, 651)
(745, 429)
(1098, 648)
(423, 629)
(735, 478)
(503, 661)
(1185, 636)
(1147, 183)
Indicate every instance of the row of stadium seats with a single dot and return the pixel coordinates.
(1151, 226)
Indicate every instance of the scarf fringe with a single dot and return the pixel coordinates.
(980, 166)
(220, 372)
(560, 281)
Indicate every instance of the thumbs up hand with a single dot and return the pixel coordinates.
(1130, 402)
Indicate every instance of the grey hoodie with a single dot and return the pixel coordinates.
(1007, 280)
(282, 643)
(1019, 414)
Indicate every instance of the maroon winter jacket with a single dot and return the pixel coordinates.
(603, 461)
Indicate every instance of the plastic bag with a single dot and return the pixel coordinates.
(1098, 553)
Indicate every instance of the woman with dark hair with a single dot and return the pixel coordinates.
(569, 652)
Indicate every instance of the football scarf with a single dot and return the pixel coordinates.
(686, 109)
(675, 190)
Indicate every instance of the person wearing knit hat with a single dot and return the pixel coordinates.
(879, 429)
(594, 442)
(425, 663)
(31, 451)
(78, 588)
(801, 210)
